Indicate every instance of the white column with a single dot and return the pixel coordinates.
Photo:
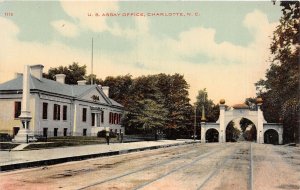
(260, 125)
(203, 131)
(75, 119)
(222, 124)
(95, 119)
(25, 116)
(280, 131)
(25, 112)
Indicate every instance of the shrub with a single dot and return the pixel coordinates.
(5, 137)
(103, 134)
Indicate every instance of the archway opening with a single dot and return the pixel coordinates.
(241, 129)
(212, 135)
(271, 137)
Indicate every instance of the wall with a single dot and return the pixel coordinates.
(74, 115)
(50, 123)
(80, 125)
(7, 105)
(7, 120)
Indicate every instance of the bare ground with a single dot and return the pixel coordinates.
(199, 166)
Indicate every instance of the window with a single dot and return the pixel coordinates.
(93, 119)
(98, 120)
(102, 116)
(84, 132)
(45, 110)
(115, 118)
(110, 118)
(65, 131)
(45, 132)
(84, 114)
(17, 109)
(65, 112)
(15, 130)
(55, 132)
(119, 118)
(56, 112)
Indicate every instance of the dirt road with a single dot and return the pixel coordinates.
(198, 166)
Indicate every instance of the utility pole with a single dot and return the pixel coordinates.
(92, 76)
(203, 110)
(195, 123)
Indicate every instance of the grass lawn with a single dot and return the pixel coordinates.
(54, 142)
(7, 146)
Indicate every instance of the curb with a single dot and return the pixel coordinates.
(54, 161)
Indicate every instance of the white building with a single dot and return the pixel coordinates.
(59, 109)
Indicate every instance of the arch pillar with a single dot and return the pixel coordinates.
(260, 125)
(222, 124)
(203, 132)
(280, 133)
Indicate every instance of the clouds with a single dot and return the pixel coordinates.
(202, 41)
(79, 12)
(65, 28)
(227, 70)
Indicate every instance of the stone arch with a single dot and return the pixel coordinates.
(212, 135)
(229, 119)
(239, 134)
(271, 136)
(228, 114)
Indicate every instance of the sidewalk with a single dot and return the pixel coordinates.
(10, 160)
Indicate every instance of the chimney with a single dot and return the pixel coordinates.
(37, 71)
(18, 75)
(105, 90)
(60, 78)
(81, 82)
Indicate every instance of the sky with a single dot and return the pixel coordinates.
(221, 46)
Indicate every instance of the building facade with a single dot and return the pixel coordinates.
(59, 109)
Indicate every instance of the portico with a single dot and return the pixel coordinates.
(97, 116)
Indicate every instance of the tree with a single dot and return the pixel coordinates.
(280, 89)
(95, 79)
(251, 102)
(248, 129)
(150, 115)
(212, 111)
(120, 88)
(170, 92)
(174, 90)
(232, 133)
(73, 73)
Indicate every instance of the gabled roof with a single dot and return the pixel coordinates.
(115, 103)
(46, 85)
(50, 86)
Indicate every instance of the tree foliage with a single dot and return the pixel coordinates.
(151, 102)
(211, 110)
(280, 89)
(73, 72)
(154, 101)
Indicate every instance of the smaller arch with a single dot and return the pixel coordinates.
(271, 136)
(212, 135)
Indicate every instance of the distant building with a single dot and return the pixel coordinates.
(59, 109)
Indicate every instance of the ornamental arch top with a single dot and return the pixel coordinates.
(241, 111)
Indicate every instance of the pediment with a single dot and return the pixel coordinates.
(95, 95)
